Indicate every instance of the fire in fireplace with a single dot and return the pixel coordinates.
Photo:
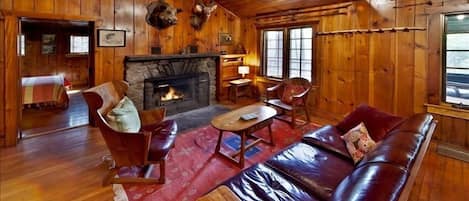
(172, 94)
(177, 93)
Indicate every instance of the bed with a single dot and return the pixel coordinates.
(44, 90)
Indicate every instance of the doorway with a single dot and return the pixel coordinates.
(56, 61)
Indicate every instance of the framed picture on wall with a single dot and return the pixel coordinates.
(111, 38)
(48, 44)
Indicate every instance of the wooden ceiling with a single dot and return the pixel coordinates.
(249, 8)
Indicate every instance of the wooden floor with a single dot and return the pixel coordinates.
(46, 120)
(67, 166)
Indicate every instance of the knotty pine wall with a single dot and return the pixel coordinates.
(387, 70)
(109, 62)
(397, 72)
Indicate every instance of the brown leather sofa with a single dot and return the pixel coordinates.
(320, 168)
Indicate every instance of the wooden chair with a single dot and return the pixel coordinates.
(148, 147)
(275, 97)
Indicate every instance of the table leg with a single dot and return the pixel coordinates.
(270, 134)
(236, 94)
(242, 149)
(217, 149)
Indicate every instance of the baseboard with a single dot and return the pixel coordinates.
(453, 151)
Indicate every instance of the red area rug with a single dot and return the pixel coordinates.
(193, 169)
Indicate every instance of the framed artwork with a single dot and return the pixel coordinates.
(111, 38)
(225, 38)
(48, 44)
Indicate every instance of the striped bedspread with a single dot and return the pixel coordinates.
(44, 89)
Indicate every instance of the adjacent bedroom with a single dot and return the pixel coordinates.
(55, 67)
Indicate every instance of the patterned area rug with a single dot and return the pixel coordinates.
(193, 169)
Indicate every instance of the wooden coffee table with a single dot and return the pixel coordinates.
(231, 122)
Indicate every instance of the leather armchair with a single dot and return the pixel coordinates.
(277, 93)
(149, 146)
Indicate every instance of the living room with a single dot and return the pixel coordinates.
(248, 100)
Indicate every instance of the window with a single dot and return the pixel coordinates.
(274, 53)
(21, 45)
(296, 61)
(79, 44)
(456, 59)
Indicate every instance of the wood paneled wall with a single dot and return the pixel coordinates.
(2, 85)
(75, 68)
(385, 69)
(120, 14)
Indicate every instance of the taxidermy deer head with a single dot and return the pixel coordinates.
(161, 15)
(201, 13)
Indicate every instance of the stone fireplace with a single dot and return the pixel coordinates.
(177, 82)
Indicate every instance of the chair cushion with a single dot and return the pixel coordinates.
(377, 122)
(327, 137)
(162, 140)
(358, 142)
(260, 182)
(291, 90)
(279, 103)
(317, 169)
(124, 117)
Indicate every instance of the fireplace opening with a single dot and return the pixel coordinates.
(172, 94)
(177, 93)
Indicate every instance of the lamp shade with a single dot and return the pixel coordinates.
(243, 70)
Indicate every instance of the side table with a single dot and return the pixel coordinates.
(240, 87)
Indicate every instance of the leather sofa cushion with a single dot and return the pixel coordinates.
(377, 122)
(313, 167)
(327, 137)
(260, 182)
(398, 149)
(402, 144)
(376, 181)
(418, 123)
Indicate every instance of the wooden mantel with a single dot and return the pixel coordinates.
(140, 58)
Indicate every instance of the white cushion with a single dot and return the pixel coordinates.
(124, 117)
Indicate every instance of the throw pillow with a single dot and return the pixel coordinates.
(291, 90)
(358, 142)
(124, 117)
(377, 122)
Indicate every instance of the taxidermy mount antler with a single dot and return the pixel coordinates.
(161, 15)
(201, 13)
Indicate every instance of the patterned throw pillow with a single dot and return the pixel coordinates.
(124, 117)
(290, 91)
(358, 142)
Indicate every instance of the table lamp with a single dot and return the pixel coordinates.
(243, 70)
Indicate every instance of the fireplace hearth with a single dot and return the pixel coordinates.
(177, 93)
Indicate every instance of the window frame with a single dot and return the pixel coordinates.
(444, 65)
(70, 44)
(286, 50)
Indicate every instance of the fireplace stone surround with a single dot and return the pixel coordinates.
(139, 70)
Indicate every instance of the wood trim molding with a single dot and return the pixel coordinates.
(12, 82)
(260, 26)
(49, 16)
(448, 111)
(447, 9)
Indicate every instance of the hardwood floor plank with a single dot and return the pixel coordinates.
(67, 166)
